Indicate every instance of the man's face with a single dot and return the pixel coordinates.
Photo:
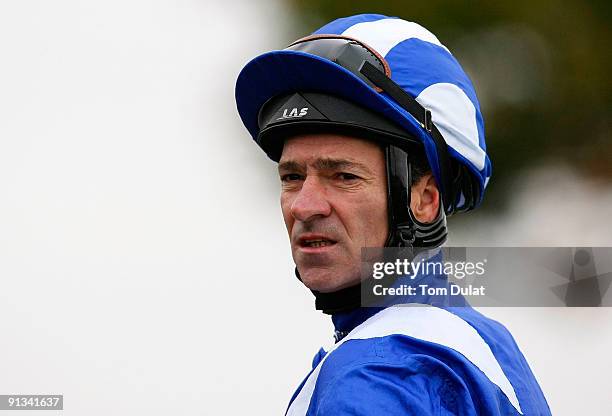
(334, 202)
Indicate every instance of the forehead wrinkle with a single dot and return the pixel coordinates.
(333, 164)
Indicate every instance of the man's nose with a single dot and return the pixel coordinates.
(311, 201)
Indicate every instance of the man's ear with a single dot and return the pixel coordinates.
(425, 199)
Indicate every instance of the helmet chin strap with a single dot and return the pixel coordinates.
(404, 229)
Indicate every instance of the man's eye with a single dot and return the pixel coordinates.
(290, 177)
(345, 176)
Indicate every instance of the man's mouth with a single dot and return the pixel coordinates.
(315, 242)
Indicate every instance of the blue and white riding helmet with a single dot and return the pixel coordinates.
(407, 81)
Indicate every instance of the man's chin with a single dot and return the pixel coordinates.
(327, 281)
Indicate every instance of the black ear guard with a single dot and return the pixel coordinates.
(404, 229)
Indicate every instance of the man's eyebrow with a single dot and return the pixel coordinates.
(336, 164)
(324, 164)
(290, 165)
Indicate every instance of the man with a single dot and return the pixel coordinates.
(378, 134)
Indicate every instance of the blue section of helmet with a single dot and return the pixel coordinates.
(416, 65)
(340, 25)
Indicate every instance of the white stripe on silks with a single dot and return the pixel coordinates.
(454, 115)
(426, 323)
(384, 34)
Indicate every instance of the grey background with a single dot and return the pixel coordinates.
(144, 264)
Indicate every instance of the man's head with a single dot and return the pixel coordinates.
(343, 111)
(334, 203)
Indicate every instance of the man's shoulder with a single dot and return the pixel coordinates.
(438, 352)
(387, 383)
(398, 374)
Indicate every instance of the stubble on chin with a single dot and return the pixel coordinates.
(329, 279)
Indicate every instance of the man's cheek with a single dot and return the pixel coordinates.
(287, 217)
(288, 224)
